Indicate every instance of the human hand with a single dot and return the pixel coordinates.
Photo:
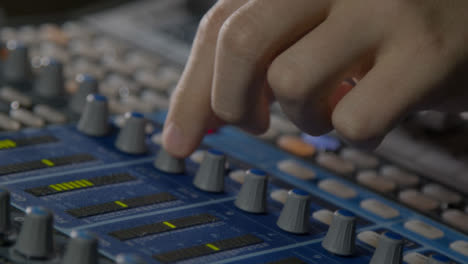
(408, 55)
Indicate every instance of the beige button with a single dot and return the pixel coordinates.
(415, 258)
(441, 193)
(360, 159)
(424, 229)
(375, 182)
(8, 124)
(10, 95)
(295, 169)
(460, 247)
(282, 125)
(335, 163)
(456, 218)
(418, 200)
(48, 113)
(324, 216)
(197, 156)
(371, 238)
(270, 135)
(296, 146)
(27, 117)
(378, 208)
(279, 195)
(237, 176)
(157, 139)
(401, 177)
(337, 188)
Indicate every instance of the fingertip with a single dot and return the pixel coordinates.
(177, 142)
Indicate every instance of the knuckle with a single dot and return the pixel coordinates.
(240, 35)
(286, 80)
(211, 22)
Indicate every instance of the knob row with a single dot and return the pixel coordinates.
(35, 239)
(50, 82)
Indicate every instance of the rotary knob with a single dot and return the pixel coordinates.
(94, 119)
(35, 239)
(50, 83)
(87, 85)
(82, 248)
(294, 217)
(341, 235)
(131, 138)
(167, 163)
(210, 175)
(129, 259)
(389, 249)
(252, 195)
(17, 68)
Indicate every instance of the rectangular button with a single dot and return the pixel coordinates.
(121, 205)
(424, 229)
(165, 226)
(207, 249)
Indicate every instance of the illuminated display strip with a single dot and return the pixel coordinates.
(292, 260)
(45, 163)
(6, 144)
(207, 249)
(80, 184)
(114, 206)
(165, 226)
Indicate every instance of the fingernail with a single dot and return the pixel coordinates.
(174, 140)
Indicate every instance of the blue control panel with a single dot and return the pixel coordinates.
(135, 208)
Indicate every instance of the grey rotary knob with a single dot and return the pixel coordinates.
(252, 195)
(210, 175)
(341, 235)
(167, 163)
(131, 138)
(5, 223)
(294, 217)
(87, 85)
(81, 249)
(17, 67)
(94, 119)
(389, 249)
(50, 82)
(35, 239)
(438, 259)
(129, 259)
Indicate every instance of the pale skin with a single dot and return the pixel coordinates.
(408, 55)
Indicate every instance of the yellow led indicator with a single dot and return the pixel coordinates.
(169, 224)
(62, 186)
(48, 162)
(82, 184)
(55, 187)
(121, 204)
(7, 143)
(213, 247)
(69, 186)
(88, 183)
(75, 185)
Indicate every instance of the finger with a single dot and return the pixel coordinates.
(306, 75)
(398, 84)
(248, 42)
(190, 114)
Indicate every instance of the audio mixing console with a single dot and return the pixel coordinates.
(85, 172)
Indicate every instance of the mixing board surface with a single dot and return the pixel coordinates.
(281, 198)
(136, 208)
